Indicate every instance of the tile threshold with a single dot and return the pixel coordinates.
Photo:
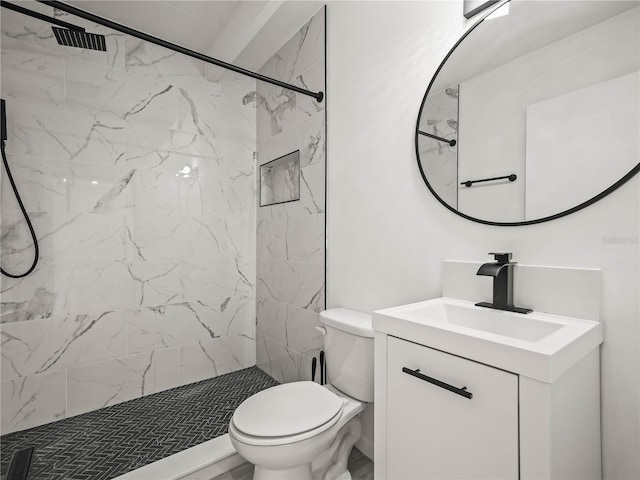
(207, 460)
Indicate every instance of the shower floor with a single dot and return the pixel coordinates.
(115, 440)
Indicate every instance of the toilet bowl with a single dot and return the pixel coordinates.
(302, 430)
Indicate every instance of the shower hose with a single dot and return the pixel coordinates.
(26, 217)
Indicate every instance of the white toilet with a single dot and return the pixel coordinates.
(302, 430)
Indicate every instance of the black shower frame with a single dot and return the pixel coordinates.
(319, 96)
(628, 176)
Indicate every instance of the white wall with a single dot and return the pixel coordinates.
(387, 235)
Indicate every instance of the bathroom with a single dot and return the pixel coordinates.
(387, 236)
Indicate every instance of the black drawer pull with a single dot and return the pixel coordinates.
(460, 391)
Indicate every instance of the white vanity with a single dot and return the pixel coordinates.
(467, 392)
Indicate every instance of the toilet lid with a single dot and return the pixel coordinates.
(286, 409)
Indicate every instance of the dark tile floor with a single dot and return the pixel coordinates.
(103, 444)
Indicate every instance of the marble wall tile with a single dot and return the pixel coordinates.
(312, 140)
(306, 238)
(98, 385)
(28, 298)
(271, 319)
(291, 236)
(169, 325)
(73, 289)
(295, 283)
(38, 346)
(238, 315)
(310, 44)
(37, 32)
(55, 132)
(42, 186)
(271, 233)
(149, 60)
(210, 358)
(140, 179)
(277, 360)
(31, 71)
(114, 57)
(33, 400)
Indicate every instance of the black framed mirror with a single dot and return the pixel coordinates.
(535, 112)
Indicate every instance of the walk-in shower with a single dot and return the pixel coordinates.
(138, 168)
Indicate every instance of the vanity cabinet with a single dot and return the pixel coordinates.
(536, 417)
(449, 417)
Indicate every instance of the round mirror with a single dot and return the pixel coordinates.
(535, 112)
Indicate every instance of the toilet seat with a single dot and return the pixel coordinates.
(286, 413)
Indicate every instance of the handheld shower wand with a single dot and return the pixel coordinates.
(3, 131)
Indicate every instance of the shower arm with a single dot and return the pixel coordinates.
(176, 48)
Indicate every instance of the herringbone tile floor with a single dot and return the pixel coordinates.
(103, 444)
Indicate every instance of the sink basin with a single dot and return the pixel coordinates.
(508, 324)
(538, 345)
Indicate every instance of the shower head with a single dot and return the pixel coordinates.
(80, 39)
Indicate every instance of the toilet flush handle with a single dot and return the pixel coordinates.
(322, 330)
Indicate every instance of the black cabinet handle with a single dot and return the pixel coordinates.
(460, 391)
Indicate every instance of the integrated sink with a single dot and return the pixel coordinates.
(539, 345)
(508, 324)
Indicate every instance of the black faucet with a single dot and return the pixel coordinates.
(502, 272)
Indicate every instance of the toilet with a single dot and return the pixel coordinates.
(302, 430)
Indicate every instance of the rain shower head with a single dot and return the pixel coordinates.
(70, 35)
(80, 39)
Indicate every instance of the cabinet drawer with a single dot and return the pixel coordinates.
(436, 432)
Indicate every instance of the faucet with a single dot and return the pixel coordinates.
(502, 272)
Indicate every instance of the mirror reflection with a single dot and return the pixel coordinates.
(535, 111)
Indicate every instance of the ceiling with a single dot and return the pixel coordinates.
(244, 32)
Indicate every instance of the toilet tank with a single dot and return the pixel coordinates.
(348, 349)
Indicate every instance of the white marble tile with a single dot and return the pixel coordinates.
(238, 88)
(235, 276)
(312, 140)
(152, 138)
(301, 334)
(28, 298)
(169, 325)
(38, 346)
(100, 384)
(312, 191)
(276, 279)
(271, 239)
(305, 240)
(57, 132)
(37, 32)
(195, 240)
(29, 71)
(310, 43)
(210, 358)
(89, 288)
(158, 193)
(114, 57)
(42, 186)
(308, 287)
(311, 79)
(271, 317)
(151, 60)
(276, 110)
(34, 400)
(277, 360)
(83, 239)
(72, 289)
(238, 315)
